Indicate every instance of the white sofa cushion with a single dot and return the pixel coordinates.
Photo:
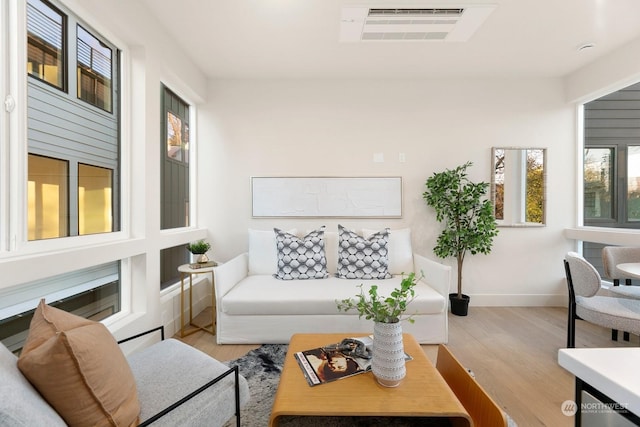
(400, 251)
(265, 295)
(263, 255)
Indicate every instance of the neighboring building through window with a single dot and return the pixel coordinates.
(611, 164)
(95, 204)
(47, 197)
(46, 28)
(74, 151)
(94, 70)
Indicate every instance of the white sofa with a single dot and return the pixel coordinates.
(253, 307)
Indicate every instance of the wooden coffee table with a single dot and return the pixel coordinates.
(423, 392)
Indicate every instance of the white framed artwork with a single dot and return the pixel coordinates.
(338, 197)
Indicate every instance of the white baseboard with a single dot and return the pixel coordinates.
(489, 300)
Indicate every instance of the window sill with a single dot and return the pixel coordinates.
(604, 235)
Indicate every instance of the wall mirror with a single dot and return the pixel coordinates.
(518, 186)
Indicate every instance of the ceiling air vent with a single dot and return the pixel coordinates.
(414, 24)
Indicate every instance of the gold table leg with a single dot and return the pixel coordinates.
(211, 328)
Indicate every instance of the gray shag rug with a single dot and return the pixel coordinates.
(262, 367)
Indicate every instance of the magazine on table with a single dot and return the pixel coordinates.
(351, 356)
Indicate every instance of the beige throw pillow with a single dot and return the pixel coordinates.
(79, 369)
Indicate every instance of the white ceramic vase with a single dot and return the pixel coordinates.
(199, 258)
(388, 360)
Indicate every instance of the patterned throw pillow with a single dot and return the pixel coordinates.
(360, 258)
(301, 258)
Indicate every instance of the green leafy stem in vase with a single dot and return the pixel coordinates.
(379, 308)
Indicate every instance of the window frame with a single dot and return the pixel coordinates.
(18, 255)
(186, 162)
(73, 21)
(65, 48)
(113, 58)
(619, 191)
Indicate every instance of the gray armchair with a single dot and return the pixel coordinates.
(583, 282)
(177, 385)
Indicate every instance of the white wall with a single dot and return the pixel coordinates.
(333, 128)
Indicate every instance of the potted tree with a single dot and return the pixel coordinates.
(388, 358)
(469, 222)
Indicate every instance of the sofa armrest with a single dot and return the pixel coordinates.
(229, 273)
(437, 275)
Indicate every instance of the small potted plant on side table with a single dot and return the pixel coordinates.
(388, 359)
(200, 249)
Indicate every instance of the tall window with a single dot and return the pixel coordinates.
(74, 151)
(73, 163)
(174, 192)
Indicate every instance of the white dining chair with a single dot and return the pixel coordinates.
(584, 282)
(612, 256)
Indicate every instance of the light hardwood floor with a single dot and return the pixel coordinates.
(512, 351)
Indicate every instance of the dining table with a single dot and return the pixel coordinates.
(630, 268)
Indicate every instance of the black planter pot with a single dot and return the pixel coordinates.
(459, 306)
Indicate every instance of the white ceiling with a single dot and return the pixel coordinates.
(300, 39)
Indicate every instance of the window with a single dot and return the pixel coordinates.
(633, 183)
(174, 194)
(611, 166)
(94, 70)
(46, 27)
(74, 151)
(47, 195)
(598, 183)
(95, 207)
(71, 185)
(612, 160)
(93, 293)
(170, 259)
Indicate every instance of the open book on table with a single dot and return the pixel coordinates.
(351, 356)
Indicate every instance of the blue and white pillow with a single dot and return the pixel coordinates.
(360, 258)
(300, 259)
